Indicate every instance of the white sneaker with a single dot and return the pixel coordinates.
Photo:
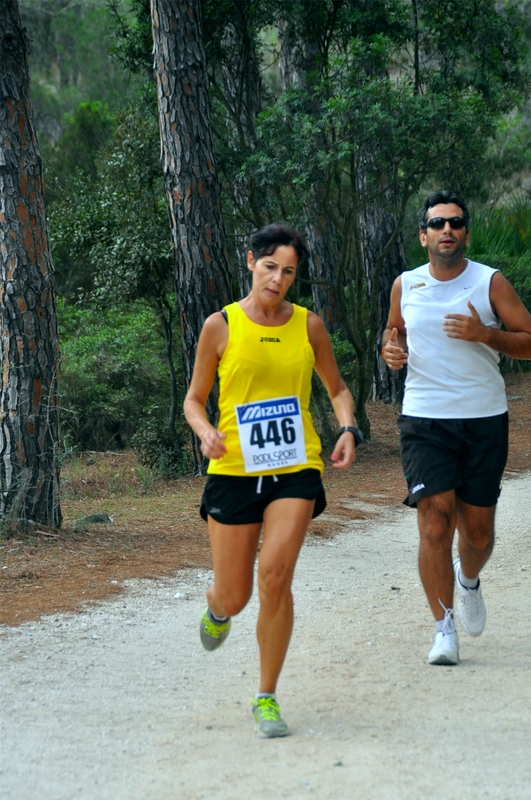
(470, 605)
(445, 650)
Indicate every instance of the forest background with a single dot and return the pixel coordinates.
(339, 116)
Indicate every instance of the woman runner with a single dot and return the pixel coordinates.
(265, 466)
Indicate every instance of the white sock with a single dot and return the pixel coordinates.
(468, 583)
(260, 695)
(216, 619)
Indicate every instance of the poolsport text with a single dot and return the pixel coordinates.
(275, 456)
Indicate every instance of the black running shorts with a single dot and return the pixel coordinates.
(234, 500)
(468, 455)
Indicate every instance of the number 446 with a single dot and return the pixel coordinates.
(273, 435)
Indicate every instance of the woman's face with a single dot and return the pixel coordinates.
(273, 274)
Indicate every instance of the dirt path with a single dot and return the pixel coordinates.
(120, 702)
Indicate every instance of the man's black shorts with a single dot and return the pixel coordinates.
(468, 455)
(234, 500)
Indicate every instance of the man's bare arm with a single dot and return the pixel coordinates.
(514, 342)
(394, 336)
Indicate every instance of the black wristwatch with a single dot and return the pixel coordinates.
(357, 434)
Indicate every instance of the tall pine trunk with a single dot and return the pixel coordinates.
(325, 250)
(29, 412)
(241, 97)
(297, 63)
(190, 174)
(378, 225)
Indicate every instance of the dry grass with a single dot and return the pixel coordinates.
(156, 529)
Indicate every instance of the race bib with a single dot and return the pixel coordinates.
(271, 434)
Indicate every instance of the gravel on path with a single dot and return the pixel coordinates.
(120, 702)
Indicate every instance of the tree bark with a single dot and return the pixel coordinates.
(190, 173)
(377, 225)
(322, 270)
(29, 411)
(241, 96)
(296, 64)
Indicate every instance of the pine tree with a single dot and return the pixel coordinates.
(29, 413)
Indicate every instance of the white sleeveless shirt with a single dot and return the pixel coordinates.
(449, 378)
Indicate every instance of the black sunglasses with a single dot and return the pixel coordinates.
(438, 223)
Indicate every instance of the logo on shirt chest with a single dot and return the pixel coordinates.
(269, 339)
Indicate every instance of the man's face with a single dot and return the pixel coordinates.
(446, 243)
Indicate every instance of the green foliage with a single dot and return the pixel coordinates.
(109, 230)
(85, 132)
(328, 27)
(329, 130)
(509, 152)
(114, 225)
(70, 62)
(132, 32)
(112, 371)
(517, 270)
(376, 111)
(475, 42)
(156, 448)
(348, 114)
(134, 243)
(501, 237)
(380, 97)
(346, 359)
(321, 406)
(501, 231)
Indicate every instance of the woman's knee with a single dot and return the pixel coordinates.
(232, 599)
(274, 583)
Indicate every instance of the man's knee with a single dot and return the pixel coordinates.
(476, 525)
(437, 517)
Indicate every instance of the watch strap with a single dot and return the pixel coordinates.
(357, 434)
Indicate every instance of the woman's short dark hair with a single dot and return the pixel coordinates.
(265, 241)
(444, 196)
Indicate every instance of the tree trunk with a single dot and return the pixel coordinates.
(241, 96)
(190, 173)
(29, 415)
(165, 314)
(322, 270)
(377, 226)
(297, 62)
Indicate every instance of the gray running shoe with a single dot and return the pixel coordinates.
(470, 605)
(213, 634)
(266, 713)
(445, 649)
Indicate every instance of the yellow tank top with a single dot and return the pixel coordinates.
(265, 379)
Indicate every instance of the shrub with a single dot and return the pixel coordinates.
(112, 370)
(157, 448)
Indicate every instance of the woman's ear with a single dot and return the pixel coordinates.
(251, 263)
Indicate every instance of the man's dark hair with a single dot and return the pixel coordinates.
(444, 196)
(265, 241)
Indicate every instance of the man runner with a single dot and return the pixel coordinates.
(446, 321)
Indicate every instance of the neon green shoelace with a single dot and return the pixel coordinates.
(268, 708)
(214, 630)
